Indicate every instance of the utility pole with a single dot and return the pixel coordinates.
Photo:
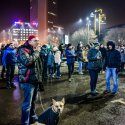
(88, 28)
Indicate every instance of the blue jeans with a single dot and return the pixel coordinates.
(28, 106)
(111, 72)
(50, 70)
(80, 66)
(58, 70)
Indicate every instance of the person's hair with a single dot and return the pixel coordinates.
(87, 46)
(69, 45)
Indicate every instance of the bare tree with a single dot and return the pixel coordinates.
(83, 35)
(115, 34)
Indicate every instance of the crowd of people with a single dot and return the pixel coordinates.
(38, 63)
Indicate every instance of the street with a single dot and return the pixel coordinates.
(80, 108)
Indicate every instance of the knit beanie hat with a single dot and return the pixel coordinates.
(31, 37)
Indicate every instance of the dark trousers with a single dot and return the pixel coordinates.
(10, 74)
(50, 70)
(70, 69)
(44, 73)
(93, 79)
(55, 67)
(122, 66)
(2, 72)
(85, 66)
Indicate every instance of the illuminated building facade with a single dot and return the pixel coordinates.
(20, 31)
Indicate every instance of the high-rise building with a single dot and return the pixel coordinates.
(45, 13)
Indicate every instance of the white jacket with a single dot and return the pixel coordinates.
(57, 57)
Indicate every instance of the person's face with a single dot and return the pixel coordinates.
(34, 42)
(70, 47)
(110, 47)
(102, 46)
(12, 46)
(87, 48)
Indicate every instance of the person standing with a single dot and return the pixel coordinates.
(112, 67)
(3, 48)
(57, 59)
(44, 59)
(122, 52)
(103, 52)
(9, 60)
(70, 55)
(85, 52)
(30, 74)
(50, 64)
(94, 66)
(80, 59)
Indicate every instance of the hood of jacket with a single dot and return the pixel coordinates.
(111, 43)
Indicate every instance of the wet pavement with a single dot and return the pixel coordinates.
(80, 107)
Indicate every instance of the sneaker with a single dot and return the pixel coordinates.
(69, 79)
(113, 93)
(95, 93)
(58, 77)
(53, 76)
(106, 92)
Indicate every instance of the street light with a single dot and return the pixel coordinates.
(88, 27)
(80, 20)
(99, 19)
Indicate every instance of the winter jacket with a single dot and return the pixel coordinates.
(113, 57)
(2, 52)
(9, 57)
(103, 52)
(70, 55)
(84, 53)
(50, 61)
(29, 65)
(122, 52)
(44, 53)
(93, 62)
(57, 57)
(80, 55)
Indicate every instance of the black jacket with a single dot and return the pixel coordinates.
(29, 65)
(103, 52)
(113, 57)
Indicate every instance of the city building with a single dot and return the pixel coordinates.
(20, 31)
(45, 13)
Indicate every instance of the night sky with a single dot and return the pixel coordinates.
(69, 11)
(75, 9)
(13, 10)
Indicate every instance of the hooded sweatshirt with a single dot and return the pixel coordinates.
(113, 57)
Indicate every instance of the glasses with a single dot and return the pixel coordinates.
(35, 41)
